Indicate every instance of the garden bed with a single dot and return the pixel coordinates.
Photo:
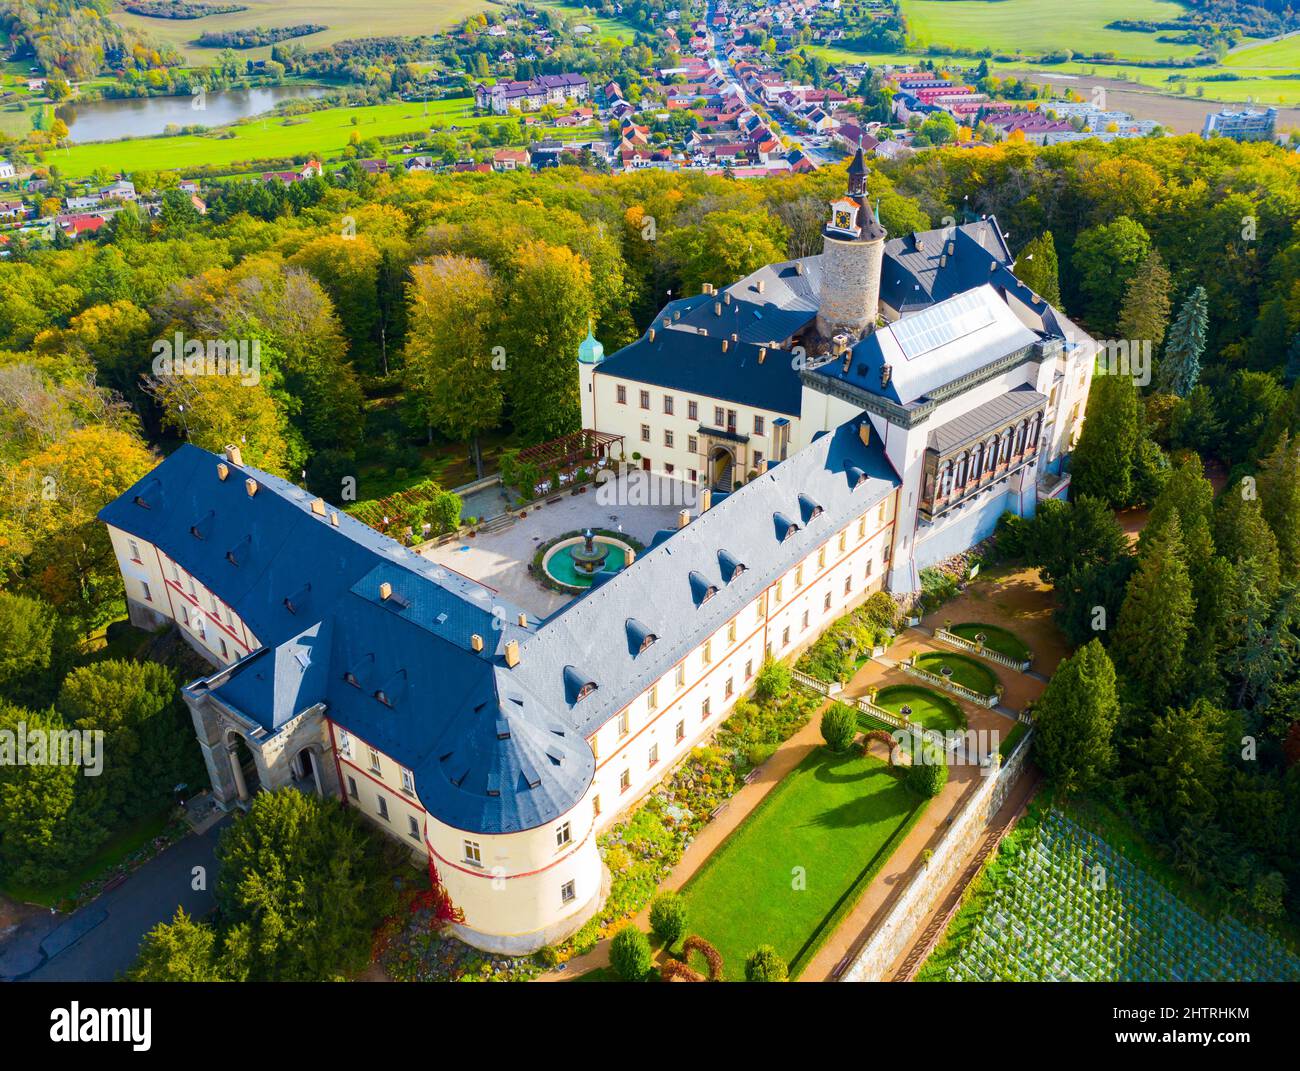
(1002, 640)
(966, 671)
(929, 709)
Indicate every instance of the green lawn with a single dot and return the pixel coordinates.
(930, 710)
(1278, 56)
(1037, 27)
(829, 827)
(968, 672)
(1002, 640)
(344, 19)
(115, 849)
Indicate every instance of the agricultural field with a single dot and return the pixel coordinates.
(324, 132)
(345, 19)
(1281, 56)
(604, 27)
(1061, 903)
(1036, 27)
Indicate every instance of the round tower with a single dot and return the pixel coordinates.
(590, 354)
(853, 254)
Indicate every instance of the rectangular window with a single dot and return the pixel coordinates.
(707, 653)
(563, 834)
(758, 458)
(352, 788)
(844, 541)
(408, 781)
(719, 415)
(148, 595)
(692, 410)
(668, 437)
(758, 425)
(730, 689)
(681, 674)
(383, 807)
(473, 853)
(881, 515)
(413, 826)
(805, 621)
(620, 392)
(668, 405)
(135, 550)
(652, 700)
(704, 709)
(798, 577)
(653, 757)
(680, 731)
(595, 806)
(374, 760)
(567, 893)
(884, 554)
(645, 399)
(645, 433)
(826, 604)
(185, 614)
(862, 527)
(692, 475)
(749, 669)
(731, 631)
(778, 592)
(225, 651)
(785, 636)
(848, 584)
(762, 606)
(625, 780)
(870, 566)
(668, 470)
(821, 557)
(622, 724)
(345, 744)
(692, 446)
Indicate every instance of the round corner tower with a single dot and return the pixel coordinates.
(853, 255)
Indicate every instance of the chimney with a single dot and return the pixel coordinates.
(864, 432)
(523, 619)
(762, 467)
(761, 285)
(250, 485)
(717, 308)
(683, 518)
(234, 456)
(706, 500)
(726, 297)
(886, 374)
(762, 354)
(512, 653)
(385, 590)
(476, 642)
(334, 518)
(223, 470)
(318, 506)
(798, 267)
(651, 334)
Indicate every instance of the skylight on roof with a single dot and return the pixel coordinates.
(946, 322)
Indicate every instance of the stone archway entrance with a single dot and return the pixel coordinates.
(306, 771)
(722, 469)
(243, 766)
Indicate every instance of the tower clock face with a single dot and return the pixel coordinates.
(843, 219)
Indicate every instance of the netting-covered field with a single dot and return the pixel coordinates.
(1071, 908)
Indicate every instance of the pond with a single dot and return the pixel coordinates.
(138, 117)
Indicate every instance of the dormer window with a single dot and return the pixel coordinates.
(586, 690)
(351, 678)
(383, 698)
(139, 501)
(647, 642)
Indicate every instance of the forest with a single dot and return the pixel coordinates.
(410, 326)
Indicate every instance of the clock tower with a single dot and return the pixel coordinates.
(853, 253)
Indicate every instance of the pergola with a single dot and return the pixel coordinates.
(570, 451)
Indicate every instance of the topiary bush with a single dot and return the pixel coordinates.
(927, 777)
(668, 917)
(764, 965)
(629, 954)
(839, 727)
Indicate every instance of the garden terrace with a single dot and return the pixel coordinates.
(929, 709)
(996, 638)
(836, 817)
(562, 458)
(963, 670)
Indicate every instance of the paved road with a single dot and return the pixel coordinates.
(96, 943)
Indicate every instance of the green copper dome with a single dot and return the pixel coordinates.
(590, 351)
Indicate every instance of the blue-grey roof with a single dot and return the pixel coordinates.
(930, 266)
(494, 749)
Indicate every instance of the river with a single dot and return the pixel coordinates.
(138, 117)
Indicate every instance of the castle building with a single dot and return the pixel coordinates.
(861, 413)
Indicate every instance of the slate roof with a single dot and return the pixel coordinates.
(493, 749)
(934, 347)
(993, 415)
(930, 266)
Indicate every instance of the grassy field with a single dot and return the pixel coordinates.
(828, 827)
(968, 672)
(604, 27)
(997, 639)
(1035, 27)
(930, 710)
(325, 132)
(344, 18)
(1281, 57)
